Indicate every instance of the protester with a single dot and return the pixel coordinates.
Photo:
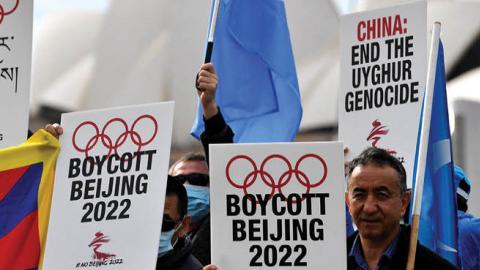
(174, 252)
(191, 170)
(468, 225)
(377, 199)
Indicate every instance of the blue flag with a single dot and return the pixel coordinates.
(438, 218)
(258, 89)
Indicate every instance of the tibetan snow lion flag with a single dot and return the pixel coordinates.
(26, 184)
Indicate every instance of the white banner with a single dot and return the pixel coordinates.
(277, 206)
(383, 73)
(16, 20)
(109, 188)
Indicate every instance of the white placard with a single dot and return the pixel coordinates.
(110, 188)
(16, 20)
(278, 206)
(383, 72)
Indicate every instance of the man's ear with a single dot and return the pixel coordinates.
(186, 226)
(347, 199)
(406, 201)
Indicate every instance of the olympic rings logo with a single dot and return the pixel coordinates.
(4, 13)
(285, 177)
(113, 144)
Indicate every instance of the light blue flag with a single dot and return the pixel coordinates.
(258, 89)
(438, 218)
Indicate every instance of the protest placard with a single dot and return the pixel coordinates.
(383, 73)
(109, 188)
(277, 206)
(16, 19)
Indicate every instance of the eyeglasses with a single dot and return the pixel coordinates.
(198, 179)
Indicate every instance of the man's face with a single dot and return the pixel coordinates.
(171, 207)
(189, 167)
(182, 226)
(375, 201)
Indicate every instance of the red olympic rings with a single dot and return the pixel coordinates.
(284, 178)
(107, 141)
(4, 13)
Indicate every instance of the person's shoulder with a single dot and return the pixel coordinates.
(350, 240)
(469, 222)
(427, 259)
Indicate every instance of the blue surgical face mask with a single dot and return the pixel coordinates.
(198, 201)
(165, 242)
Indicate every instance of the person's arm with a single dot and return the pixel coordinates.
(216, 129)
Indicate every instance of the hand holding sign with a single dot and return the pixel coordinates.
(110, 178)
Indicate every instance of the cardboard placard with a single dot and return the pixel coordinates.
(383, 73)
(277, 206)
(109, 188)
(16, 20)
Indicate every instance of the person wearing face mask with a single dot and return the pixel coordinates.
(191, 170)
(175, 248)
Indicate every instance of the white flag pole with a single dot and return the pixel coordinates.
(423, 144)
(211, 32)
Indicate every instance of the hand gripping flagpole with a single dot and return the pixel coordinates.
(423, 145)
(211, 32)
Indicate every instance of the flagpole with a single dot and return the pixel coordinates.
(211, 32)
(423, 145)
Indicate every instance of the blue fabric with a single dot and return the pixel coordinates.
(459, 175)
(258, 89)
(21, 200)
(438, 218)
(469, 240)
(361, 264)
(198, 201)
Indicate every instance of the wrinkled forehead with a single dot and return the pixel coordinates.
(374, 176)
(189, 167)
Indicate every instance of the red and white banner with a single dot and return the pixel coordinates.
(16, 20)
(278, 206)
(383, 73)
(109, 188)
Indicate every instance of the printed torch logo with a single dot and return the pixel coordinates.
(376, 134)
(97, 243)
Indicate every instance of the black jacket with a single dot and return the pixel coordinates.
(180, 258)
(201, 241)
(216, 131)
(424, 259)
